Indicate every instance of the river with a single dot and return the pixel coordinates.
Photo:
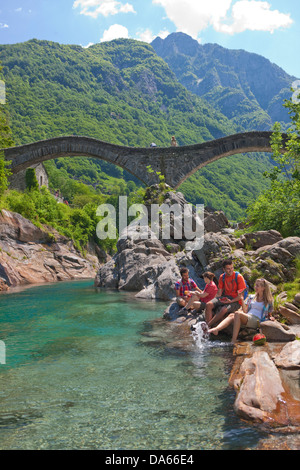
(86, 369)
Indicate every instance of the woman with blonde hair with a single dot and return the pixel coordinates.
(256, 309)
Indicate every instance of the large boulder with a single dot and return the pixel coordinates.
(292, 317)
(282, 251)
(175, 211)
(289, 356)
(15, 226)
(146, 262)
(267, 385)
(107, 275)
(216, 247)
(163, 286)
(259, 239)
(260, 389)
(277, 332)
(142, 265)
(215, 221)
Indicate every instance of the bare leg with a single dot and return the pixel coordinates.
(226, 322)
(208, 312)
(196, 306)
(240, 318)
(192, 300)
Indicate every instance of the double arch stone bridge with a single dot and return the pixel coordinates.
(175, 163)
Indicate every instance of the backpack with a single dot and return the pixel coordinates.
(246, 291)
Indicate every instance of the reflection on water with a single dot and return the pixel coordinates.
(88, 369)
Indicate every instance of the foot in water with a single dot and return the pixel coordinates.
(214, 331)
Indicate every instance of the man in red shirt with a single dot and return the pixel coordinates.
(231, 288)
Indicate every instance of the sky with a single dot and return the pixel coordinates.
(269, 28)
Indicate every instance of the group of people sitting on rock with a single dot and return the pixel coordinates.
(225, 304)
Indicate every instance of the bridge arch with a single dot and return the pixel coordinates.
(175, 163)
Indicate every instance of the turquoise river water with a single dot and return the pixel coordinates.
(86, 369)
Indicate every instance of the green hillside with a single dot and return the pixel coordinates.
(230, 184)
(120, 92)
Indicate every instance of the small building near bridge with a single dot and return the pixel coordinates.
(18, 181)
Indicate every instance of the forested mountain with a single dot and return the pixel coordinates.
(122, 92)
(246, 87)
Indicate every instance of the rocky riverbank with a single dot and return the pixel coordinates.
(30, 255)
(266, 379)
(149, 267)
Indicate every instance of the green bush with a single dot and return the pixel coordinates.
(31, 180)
(279, 206)
(42, 208)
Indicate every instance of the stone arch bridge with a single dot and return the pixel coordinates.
(175, 163)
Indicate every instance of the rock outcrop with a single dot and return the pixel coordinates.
(30, 255)
(139, 266)
(259, 388)
(263, 392)
(151, 266)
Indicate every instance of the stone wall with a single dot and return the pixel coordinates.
(17, 181)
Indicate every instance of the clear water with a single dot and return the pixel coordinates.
(87, 369)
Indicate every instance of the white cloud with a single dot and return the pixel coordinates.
(114, 32)
(88, 45)
(94, 8)
(3, 25)
(193, 16)
(254, 16)
(127, 8)
(163, 34)
(148, 36)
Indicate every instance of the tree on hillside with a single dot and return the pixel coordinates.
(5, 141)
(279, 207)
(31, 180)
